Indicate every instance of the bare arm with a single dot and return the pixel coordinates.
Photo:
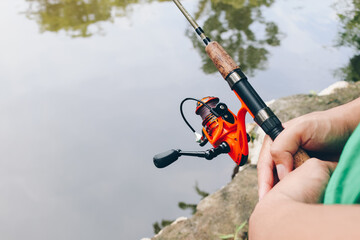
(290, 209)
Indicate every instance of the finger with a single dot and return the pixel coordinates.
(283, 149)
(265, 168)
(307, 183)
(313, 166)
(313, 177)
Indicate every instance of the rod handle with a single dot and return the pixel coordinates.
(300, 157)
(222, 60)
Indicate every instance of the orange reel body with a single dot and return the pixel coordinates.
(227, 127)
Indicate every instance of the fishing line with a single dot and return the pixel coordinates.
(208, 109)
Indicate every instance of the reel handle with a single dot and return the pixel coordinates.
(164, 159)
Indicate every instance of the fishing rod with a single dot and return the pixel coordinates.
(222, 128)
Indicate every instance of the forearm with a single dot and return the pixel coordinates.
(282, 218)
(346, 116)
(330, 129)
(352, 113)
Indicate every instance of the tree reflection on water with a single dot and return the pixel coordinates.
(238, 25)
(227, 21)
(349, 36)
(76, 16)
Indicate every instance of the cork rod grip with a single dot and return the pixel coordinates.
(222, 60)
(300, 157)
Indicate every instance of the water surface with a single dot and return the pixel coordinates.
(90, 92)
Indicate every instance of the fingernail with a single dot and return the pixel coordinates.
(280, 168)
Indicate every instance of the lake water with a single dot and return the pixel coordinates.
(90, 91)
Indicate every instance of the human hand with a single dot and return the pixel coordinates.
(290, 207)
(306, 184)
(318, 132)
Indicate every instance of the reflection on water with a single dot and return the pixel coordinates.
(350, 36)
(241, 28)
(76, 16)
(236, 25)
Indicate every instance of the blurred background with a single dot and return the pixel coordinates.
(90, 92)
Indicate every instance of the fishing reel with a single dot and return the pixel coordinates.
(224, 130)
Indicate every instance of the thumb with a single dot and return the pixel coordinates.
(282, 154)
(283, 162)
(282, 150)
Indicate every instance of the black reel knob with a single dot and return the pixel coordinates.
(164, 159)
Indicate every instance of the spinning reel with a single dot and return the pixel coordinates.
(224, 130)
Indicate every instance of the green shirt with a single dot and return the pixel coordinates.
(344, 184)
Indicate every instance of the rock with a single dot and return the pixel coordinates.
(294, 106)
(222, 212)
(257, 137)
(332, 88)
